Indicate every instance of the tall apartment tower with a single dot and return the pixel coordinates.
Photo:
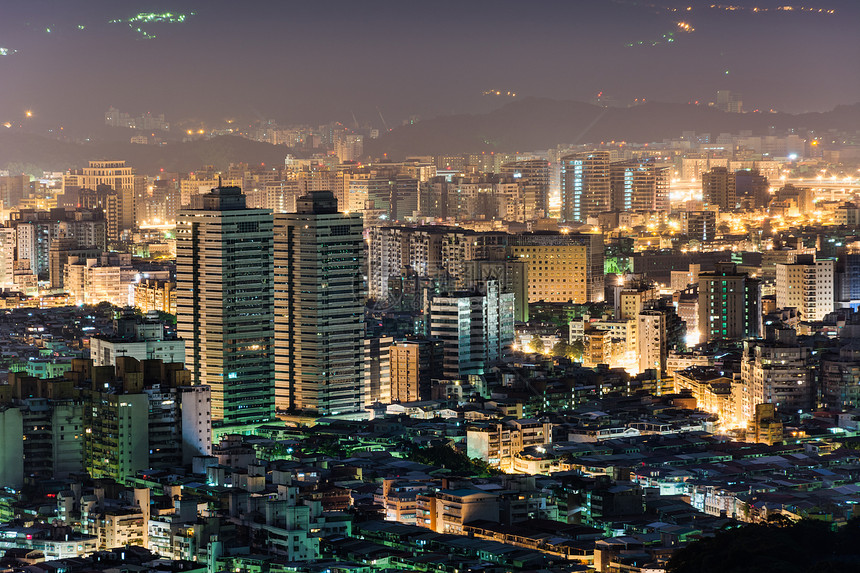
(639, 186)
(729, 304)
(652, 345)
(319, 307)
(807, 285)
(476, 329)
(225, 303)
(585, 186)
(720, 188)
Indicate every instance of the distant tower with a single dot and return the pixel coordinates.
(720, 188)
(585, 188)
(319, 307)
(120, 178)
(533, 175)
(639, 186)
(225, 303)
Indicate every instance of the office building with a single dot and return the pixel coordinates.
(561, 267)
(585, 185)
(225, 303)
(319, 307)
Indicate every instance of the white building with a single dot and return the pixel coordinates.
(89, 281)
(149, 342)
(7, 258)
(807, 285)
(653, 347)
(477, 329)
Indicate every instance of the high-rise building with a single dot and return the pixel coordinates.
(377, 370)
(659, 331)
(585, 186)
(807, 285)
(840, 371)
(109, 201)
(639, 186)
(476, 329)
(719, 188)
(562, 267)
(225, 303)
(533, 175)
(729, 304)
(7, 257)
(139, 415)
(319, 307)
(699, 225)
(120, 178)
(778, 371)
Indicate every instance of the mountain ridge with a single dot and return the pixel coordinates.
(538, 123)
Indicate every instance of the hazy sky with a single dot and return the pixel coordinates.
(324, 60)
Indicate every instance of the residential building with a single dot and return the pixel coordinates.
(476, 329)
(585, 185)
(807, 285)
(415, 363)
(719, 188)
(639, 186)
(729, 304)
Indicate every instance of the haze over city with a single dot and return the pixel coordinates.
(312, 62)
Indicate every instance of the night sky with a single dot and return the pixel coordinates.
(326, 60)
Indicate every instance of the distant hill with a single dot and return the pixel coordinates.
(21, 152)
(533, 123)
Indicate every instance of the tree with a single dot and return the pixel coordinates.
(577, 349)
(537, 345)
(443, 456)
(561, 349)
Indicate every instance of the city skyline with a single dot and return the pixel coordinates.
(295, 287)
